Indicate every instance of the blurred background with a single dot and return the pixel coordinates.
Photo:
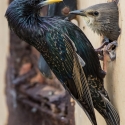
(4, 48)
(29, 98)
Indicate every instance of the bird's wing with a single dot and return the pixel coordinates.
(44, 68)
(68, 69)
(84, 49)
(81, 83)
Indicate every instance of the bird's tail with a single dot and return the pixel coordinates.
(80, 82)
(101, 102)
(110, 115)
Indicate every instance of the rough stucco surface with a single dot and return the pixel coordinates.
(115, 79)
(3, 55)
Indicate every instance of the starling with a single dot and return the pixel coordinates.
(68, 53)
(102, 19)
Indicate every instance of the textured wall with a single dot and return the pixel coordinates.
(115, 79)
(4, 38)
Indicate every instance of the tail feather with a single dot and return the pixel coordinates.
(80, 82)
(101, 101)
(112, 115)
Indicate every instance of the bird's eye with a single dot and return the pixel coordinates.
(96, 13)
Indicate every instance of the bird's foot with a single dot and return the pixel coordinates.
(100, 53)
(105, 41)
(110, 50)
(107, 52)
(99, 50)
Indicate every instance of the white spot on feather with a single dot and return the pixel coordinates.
(81, 61)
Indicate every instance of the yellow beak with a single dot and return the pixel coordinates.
(47, 2)
(53, 1)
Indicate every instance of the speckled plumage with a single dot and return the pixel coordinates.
(44, 68)
(101, 101)
(61, 43)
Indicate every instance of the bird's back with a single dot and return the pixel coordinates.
(83, 45)
(84, 48)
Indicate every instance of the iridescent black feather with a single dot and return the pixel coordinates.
(57, 41)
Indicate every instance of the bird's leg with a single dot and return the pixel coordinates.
(109, 54)
(99, 50)
(105, 59)
(100, 54)
(104, 42)
(110, 48)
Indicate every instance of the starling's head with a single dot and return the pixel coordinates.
(22, 12)
(29, 6)
(100, 13)
(101, 18)
(22, 16)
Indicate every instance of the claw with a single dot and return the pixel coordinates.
(112, 55)
(100, 53)
(107, 52)
(111, 50)
(105, 41)
(112, 45)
